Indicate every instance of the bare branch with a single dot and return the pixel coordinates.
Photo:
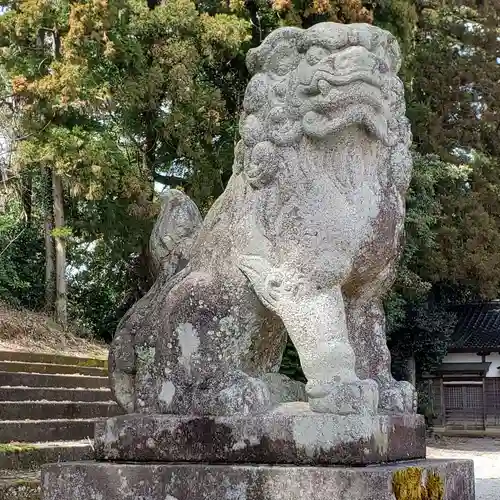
(12, 241)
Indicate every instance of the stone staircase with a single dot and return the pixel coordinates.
(48, 407)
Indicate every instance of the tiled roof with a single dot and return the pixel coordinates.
(469, 368)
(478, 326)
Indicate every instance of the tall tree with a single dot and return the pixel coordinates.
(453, 219)
(112, 97)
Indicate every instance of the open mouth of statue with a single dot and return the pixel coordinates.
(334, 102)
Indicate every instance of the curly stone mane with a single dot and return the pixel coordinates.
(303, 78)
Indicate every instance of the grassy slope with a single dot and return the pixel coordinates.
(22, 330)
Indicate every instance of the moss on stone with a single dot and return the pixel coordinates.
(93, 363)
(15, 447)
(434, 487)
(407, 484)
(25, 482)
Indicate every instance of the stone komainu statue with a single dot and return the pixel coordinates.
(304, 240)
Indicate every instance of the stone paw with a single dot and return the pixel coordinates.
(358, 397)
(398, 397)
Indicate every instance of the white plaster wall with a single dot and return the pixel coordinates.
(462, 357)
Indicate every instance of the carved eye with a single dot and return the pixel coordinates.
(383, 67)
(275, 281)
(316, 54)
(284, 60)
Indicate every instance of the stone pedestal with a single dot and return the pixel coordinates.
(173, 457)
(113, 481)
(290, 434)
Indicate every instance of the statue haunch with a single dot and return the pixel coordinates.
(304, 240)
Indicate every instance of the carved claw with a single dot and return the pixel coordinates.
(272, 285)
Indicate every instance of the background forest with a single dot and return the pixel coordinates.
(105, 102)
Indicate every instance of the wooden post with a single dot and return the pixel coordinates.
(443, 407)
(485, 415)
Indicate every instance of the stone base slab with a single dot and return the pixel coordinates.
(291, 434)
(113, 481)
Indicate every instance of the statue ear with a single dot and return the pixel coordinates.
(239, 157)
(257, 57)
(386, 46)
(253, 61)
(400, 164)
(261, 164)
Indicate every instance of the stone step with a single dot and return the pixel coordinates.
(32, 431)
(19, 366)
(31, 456)
(20, 379)
(58, 359)
(53, 394)
(17, 485)
(38, 410)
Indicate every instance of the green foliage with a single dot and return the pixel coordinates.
(400, 18)
(61, 232)
(290, 365)
(21, 261)
(100, 288)
(454, 111)
(419, 322)
(452, 223)
(113, 96)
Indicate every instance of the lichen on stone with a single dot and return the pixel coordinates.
(408, 484)
(146, 354)
(16, 447)
(93, 363)
(434, 487)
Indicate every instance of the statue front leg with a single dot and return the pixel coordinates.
(316, 323)
(366, 323)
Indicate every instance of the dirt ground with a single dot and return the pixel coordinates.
(22, 330)
(486, 455)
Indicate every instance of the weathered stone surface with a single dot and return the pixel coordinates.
(305, 237)
(19, 485)
(174, 232)
(102, 481)
(291, 434)
(283, 389)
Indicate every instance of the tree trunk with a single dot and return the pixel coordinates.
(49, 243)
(55, 244)
(61, 309)
(27, 196)
(411, 370)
